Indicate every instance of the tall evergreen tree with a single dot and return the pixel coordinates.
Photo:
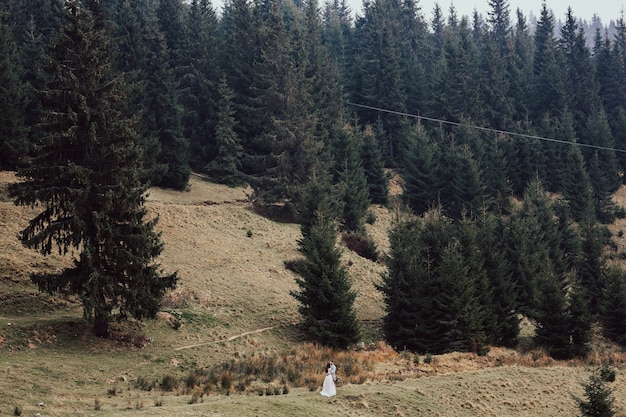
(502, 326)
(457, 92)
(167, 151)
(577, 189)
(422, 185)
(326, 297)
(549, 92)
(579, 71)
(350, 175)
(520, 67)
(377, 179)
(431, 289)
(408, 287)
(226, 167)
(13, 133)
(602, 164)
(283, 154)
(199, 85)
(553, 330)
(379, 70)
(239, 50)
(613, 317)
(580, 322)
(86, 176)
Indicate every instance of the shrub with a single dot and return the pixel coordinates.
(17, 410)
(169, 383)
(144, 384)
(362, 245)
(226, 381)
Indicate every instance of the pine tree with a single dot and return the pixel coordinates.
(420, 173)
(553, 330)
(613, 316)
(284, 152)
(379, 70)
(580, 322)
(377, 178)
(462, 189)
(599, 400)
(519, 65)
(326, 297)
(502, 327)
(457, 94)
(432, 288)
(239, 51)
(349, 173)
(199, 85)
(577, 189)
(13, 133)
(226, 167)
(602, 165)
(167, 159)
(404, 290)
(579, 70)
(86, 177)
(549, 92)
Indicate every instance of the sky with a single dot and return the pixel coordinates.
(607, 10)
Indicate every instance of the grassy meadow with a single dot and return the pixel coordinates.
(228, 343)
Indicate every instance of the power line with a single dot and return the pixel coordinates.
(484, 129)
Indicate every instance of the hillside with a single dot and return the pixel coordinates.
(232, 302)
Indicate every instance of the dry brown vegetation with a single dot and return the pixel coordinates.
(228, 343)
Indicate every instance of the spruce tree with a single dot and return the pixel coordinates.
(602, 164)
(326, 297)
(403, 289)
(199, 85)
(577, 189)
(599, 400)
(420, 172)
(226, 167)
(502, 321)
(86, 178)
(549, 92)
(580, 322)
(553, 329)
(350, 175)
(377, 179)
(13, 132)
(167, 159)
(284, 152)
(613, 317)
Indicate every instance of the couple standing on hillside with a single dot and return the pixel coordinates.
(329, 389)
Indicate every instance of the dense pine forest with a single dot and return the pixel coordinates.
(509, 140)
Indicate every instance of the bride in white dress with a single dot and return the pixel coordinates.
(328, 389)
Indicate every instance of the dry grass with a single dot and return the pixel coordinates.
(231, 328)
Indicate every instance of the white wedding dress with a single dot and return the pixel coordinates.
(328, 389)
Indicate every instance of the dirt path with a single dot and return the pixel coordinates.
(237, 336)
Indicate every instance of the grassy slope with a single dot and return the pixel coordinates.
(234, 299)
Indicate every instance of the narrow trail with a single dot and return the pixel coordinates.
(233, 337)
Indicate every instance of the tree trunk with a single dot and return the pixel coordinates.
(101, 326)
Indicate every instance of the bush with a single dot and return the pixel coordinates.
(362, 245)
(169, 383)
(144, 384)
